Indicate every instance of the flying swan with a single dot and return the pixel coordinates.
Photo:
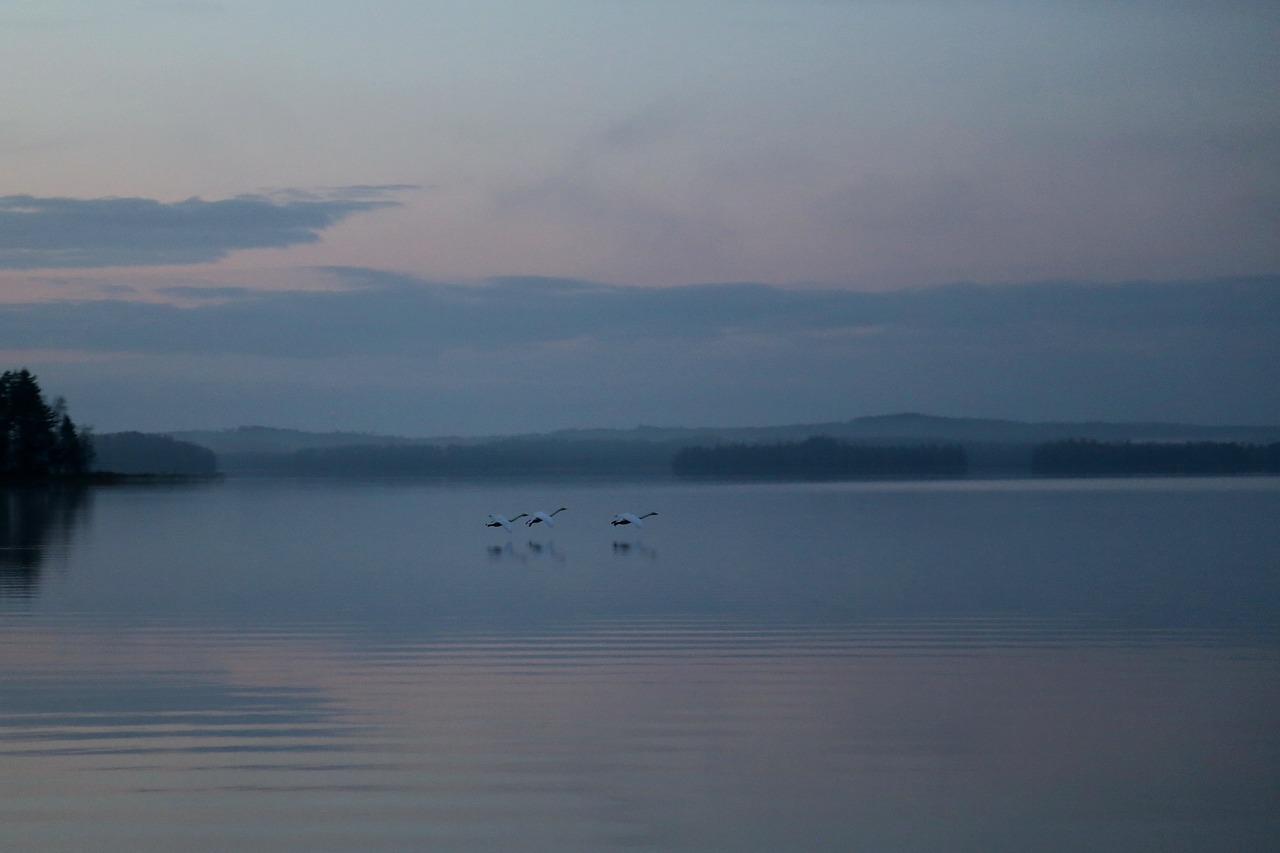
(543, 516)
(502, 521)
(623, 518)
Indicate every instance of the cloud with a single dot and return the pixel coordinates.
(388, 352)
(45, 233)
(379, 313)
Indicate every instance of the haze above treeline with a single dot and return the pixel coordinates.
(990, 446)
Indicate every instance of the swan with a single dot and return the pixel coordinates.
(502, 521)
(627, 518)
(543, 516)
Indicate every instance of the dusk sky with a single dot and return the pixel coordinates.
(428, 218)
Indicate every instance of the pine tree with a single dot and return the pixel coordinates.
(37, 439)
(72, 449)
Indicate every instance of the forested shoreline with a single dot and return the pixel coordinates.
(815, 458)
(821, 458)
(40, 442)
(136, 453)
(1086, 457)
(497, 458)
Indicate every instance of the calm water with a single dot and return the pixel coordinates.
(1003, 666)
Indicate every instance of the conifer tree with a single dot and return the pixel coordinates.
(37, 439)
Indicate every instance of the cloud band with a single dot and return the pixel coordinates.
(47, 233)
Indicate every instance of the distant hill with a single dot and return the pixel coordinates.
(877, 428)
(144, 453)
(992, 446)
(261, 439)
(930, 428)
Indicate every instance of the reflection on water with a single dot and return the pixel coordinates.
(531, 550)
(652, 735)
(35, 520)
(635, 549)
(276, 667)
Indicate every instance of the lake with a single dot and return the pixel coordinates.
(364, 666)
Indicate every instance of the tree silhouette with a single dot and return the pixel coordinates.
(823, 458)
(1101, 458)
(36, 439)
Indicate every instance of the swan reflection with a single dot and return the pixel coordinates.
(533, 549)
(634, 548)
(545, 551)
(506, 552)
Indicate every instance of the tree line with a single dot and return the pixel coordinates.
(814, 458)
(1086, 457)
(497, 458)
(38, 439)
(142, 453)
(821, 457)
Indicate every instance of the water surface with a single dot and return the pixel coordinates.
(1013, 665)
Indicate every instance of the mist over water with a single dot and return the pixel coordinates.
(276, 665)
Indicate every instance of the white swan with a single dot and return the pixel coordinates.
(627, 518)
(539, 517)
(502, 521)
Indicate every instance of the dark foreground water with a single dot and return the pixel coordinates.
(1003, 666)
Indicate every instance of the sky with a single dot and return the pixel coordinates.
(431, 218)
